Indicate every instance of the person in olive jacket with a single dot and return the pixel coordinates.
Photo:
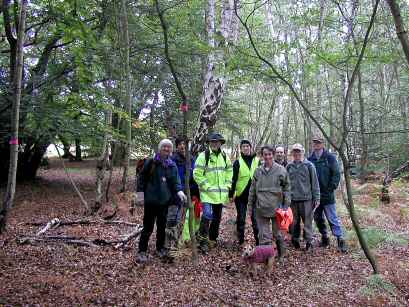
(159, 183)
(270, 188)
(329, 177)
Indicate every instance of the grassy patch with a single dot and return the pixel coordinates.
(375, 237)
(376, 285)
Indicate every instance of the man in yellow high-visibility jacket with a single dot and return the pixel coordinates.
(213, 173)
(243, 171)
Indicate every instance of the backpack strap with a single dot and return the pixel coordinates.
(207, 158)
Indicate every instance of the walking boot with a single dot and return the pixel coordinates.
(342, 245)
(203, 236)
(324, 241)
(308, 246)
(281, 250)
(296, 244)
(141, 257)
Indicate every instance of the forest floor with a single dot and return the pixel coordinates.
(66, 275)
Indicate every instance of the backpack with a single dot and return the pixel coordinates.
(207, 158)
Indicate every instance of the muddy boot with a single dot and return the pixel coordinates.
(203, 237)
(324, 241)
(342, 245)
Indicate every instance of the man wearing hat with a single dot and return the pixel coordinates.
(213, 173)
(305, 195)
(243, 171)
(328, 176)
(159, 183)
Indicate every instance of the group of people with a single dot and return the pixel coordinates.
(256, 184)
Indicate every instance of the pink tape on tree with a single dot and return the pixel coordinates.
(184, 107)
(13, 141)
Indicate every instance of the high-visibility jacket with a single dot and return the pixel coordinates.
(245, 174)
(215, 179)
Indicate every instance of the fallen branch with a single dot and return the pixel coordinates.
(81, 241)
(51, 224)
(85, 222)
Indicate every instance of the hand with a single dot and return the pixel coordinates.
(139, 198)
(315, 203)
(182, 196)
(284, 206)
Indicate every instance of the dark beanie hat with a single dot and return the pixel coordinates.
(242, 142)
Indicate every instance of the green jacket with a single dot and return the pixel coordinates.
(269, 189)
(215, 180)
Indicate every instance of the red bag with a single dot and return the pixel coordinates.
(284, 218)
(197, 206)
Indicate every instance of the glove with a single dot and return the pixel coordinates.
(139, 198)
(182, 196)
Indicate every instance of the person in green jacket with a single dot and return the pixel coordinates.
(213, 173)
(243, 171)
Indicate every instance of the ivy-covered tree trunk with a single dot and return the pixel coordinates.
(213, 87)
(14, 141)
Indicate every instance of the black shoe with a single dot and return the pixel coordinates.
(324, 242)
(308, 246)
(296, 244)
(342, 246)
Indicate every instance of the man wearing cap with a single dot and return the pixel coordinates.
(213, 173)
(159, 183)
(328, 176)
(305, 195)
(243, 171)
(279, 156)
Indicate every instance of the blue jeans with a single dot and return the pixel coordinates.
(333, 220)
(210, 221)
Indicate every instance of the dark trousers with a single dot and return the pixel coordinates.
(210, 222)
(151, 214)
(241, 207)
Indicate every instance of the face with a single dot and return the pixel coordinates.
(247, 251)
(215, 145)
(246, 149)
(279, 153)
(181, 147)
(297, 154)
(166, 150)
(268, 156)
(317, 145)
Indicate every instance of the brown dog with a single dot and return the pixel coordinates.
(259, 254)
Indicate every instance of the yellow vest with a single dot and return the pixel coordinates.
(245, 174)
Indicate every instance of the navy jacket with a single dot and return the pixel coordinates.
(328, 175)
(180, 162)
(159, 181)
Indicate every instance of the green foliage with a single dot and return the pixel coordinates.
(377, 285)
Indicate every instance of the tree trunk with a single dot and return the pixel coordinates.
(213, 87)
(11, 183)
(364, 143)
(102, 164)
(128, 97)
(351, 210)
(400, 27)
(78, 151)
